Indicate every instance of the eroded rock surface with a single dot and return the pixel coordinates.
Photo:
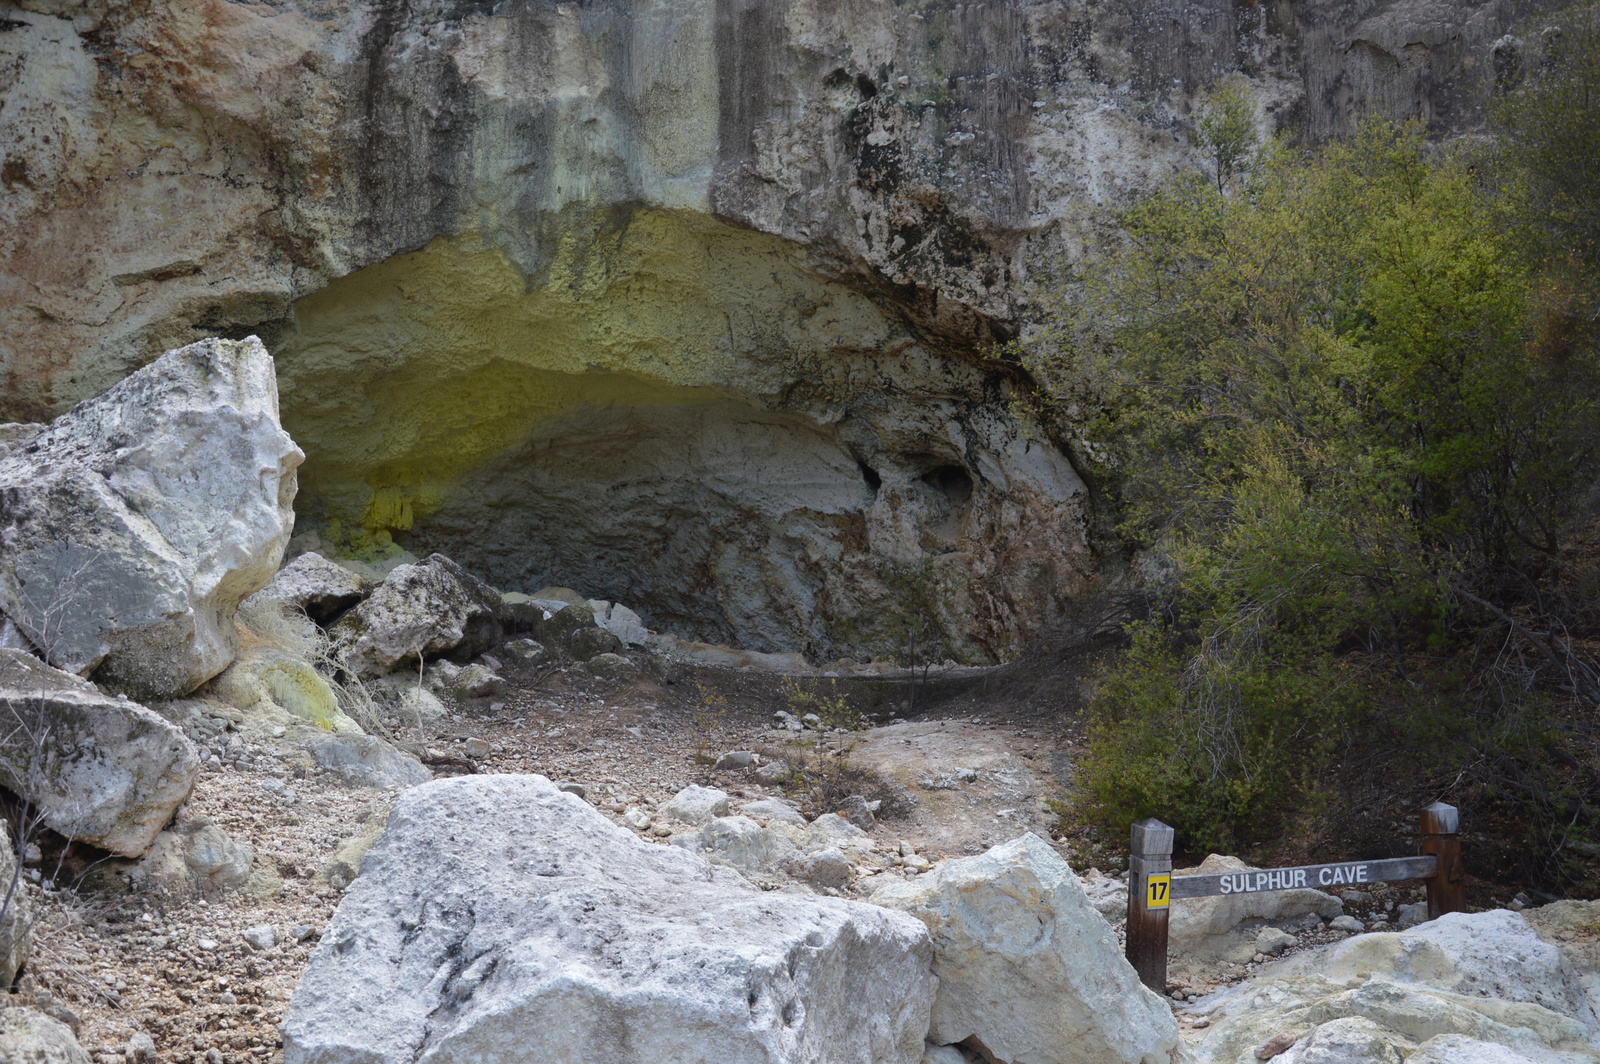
(16, 914)
(498, 906)
(1466, 987)
(98, 769)
(132, 526)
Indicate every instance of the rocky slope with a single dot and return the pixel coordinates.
(679, 301)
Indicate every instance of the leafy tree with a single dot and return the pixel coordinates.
(1227, 130)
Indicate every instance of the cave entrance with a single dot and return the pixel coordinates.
(658, 410)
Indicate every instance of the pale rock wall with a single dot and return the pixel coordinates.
(682, 302)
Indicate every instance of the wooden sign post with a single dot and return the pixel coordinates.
(1152, 890)
(1149, 898)
(1446, 889)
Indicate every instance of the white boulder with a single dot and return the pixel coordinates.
(501, 919)
(1027, 968)
(421, 612)
(133, 525)
(830, 831)
(697, 805)
(101, 770)
(773, 810)
(31, 1037)
(620, 621)
(1486, 977)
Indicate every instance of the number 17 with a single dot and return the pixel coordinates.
(1158, 892)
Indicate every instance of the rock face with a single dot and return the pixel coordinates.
(1479, 987)
(1028, 970)
(131, 527)
(100, 770)
(421, 611)
(497, 907)
(705, 280)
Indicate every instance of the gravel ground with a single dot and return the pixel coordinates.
(180, 970)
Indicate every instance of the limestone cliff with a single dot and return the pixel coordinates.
(682, 302)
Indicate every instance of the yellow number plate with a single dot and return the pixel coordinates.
(1157, 892)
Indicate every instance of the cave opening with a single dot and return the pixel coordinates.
(674, 414)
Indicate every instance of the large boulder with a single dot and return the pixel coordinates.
(30, 1037)
(102, 770)
(1481, 987)
(132, 526)
(1028, 970)
(313, 585)
(16, 923)
(501, 919)
(421, 611)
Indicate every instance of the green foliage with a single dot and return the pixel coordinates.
(832, 708)
(1327, 399)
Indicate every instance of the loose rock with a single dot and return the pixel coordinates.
(1027, 969)
(421, 611)
(829, 868)
(696, 805)
(311, 584)
(118, 770)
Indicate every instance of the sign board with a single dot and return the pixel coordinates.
(1158, 891)
(1317, 877)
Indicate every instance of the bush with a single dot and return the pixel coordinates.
(1334, 400)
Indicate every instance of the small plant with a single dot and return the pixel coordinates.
(833, 709)
(707, 718)
(916, 615)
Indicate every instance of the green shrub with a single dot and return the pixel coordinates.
(1350, 411)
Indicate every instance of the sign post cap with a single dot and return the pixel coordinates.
(1440, 819)
(1152, 838)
